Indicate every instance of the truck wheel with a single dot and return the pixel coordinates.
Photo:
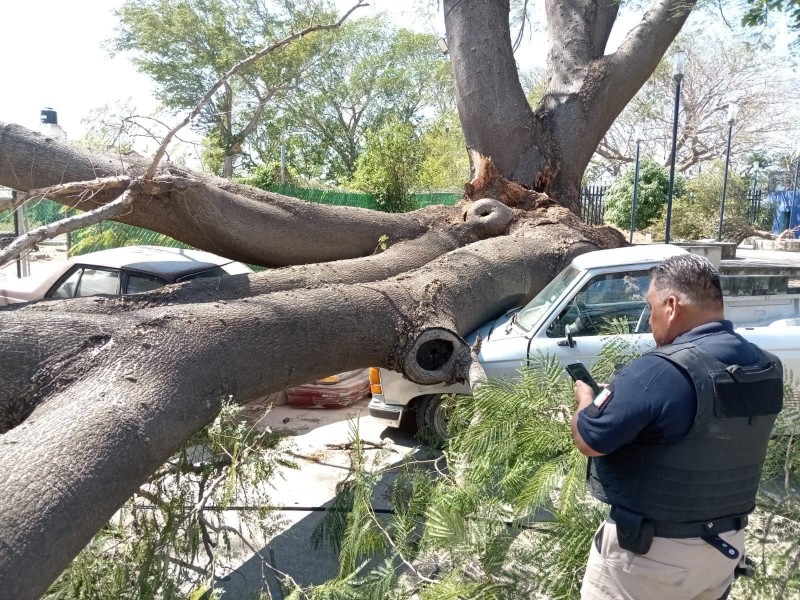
(432, 419)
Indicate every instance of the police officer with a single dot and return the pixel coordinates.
(677, 442)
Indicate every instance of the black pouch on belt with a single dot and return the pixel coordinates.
(634, 531)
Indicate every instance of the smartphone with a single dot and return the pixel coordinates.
(579, 372)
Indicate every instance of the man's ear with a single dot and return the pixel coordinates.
(674, 306)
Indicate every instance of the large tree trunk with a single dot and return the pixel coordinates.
(548, 149)
(98, 392)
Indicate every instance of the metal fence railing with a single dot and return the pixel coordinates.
(754, 198)
(592, 206)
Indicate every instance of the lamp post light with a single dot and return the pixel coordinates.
(678, 66)
(733, 110)
(636, 181)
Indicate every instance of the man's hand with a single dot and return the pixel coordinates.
(584, 396)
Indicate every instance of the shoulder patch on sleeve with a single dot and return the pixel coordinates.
(595, 409)
(602, 398)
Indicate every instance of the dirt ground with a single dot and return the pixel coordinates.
(39, 260)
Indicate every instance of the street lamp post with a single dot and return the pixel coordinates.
(283, 164)
(794, 188)
(733, 109)
(753, 209)
(635, 182)
(678, 64)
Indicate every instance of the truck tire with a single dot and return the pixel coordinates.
(432, 419)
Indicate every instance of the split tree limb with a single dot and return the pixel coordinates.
(223, 215)
(26, 240)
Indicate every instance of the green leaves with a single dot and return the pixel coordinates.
(186, 46)
(651, 199)
(170, 539)
(389, 166)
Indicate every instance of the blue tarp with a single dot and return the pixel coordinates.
(787, 213)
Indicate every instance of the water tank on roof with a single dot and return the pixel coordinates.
(48, 116)
(50, 126)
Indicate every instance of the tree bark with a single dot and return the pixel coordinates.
(112, 401)
(210, 213)
(98, 392)
(548, 149)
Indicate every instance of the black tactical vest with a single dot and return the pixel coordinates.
(714, 471)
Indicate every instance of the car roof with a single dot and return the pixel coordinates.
(631, 255)
(169, 263)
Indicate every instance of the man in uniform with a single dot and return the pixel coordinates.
(676, 445)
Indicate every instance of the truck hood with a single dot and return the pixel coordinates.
(498, 329)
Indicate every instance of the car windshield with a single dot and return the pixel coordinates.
(541, 303)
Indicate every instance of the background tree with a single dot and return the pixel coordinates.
(389, 166)
(651, 199)
(695, 212)
(186, 46)
(368, 73)
(758, 13)
(445, 166)
(718, 71)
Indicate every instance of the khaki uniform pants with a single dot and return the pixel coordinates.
(679, 569)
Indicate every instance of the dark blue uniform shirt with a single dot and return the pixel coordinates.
(651, 399)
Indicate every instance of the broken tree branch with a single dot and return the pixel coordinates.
(78, 190)
(25, 241)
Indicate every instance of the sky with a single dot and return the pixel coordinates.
(54, 56)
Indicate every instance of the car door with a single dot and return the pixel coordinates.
(137, 282)
(608, 306)
(85, 280)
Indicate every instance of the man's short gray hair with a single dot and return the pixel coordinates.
(693, 278)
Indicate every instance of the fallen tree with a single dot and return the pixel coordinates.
(96, 393)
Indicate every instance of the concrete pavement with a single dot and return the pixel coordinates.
(318, 437)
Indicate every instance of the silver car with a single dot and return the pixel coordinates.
(128, 270)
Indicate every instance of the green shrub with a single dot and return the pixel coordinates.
(695, 213)
(390, 165)
(651, 200)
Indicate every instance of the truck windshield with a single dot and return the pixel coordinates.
(541, 303)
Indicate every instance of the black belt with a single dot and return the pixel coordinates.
(666, 529)
(698, 530)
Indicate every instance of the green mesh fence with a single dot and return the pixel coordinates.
(110, 234)
(360, 200)
(429, 198)
(321, 196)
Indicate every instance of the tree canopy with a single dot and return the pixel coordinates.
(186, 46)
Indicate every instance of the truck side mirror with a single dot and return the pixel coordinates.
(569, 341)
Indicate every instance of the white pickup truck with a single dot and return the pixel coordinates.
(572, 317)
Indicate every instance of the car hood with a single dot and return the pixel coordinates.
(13, 291)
